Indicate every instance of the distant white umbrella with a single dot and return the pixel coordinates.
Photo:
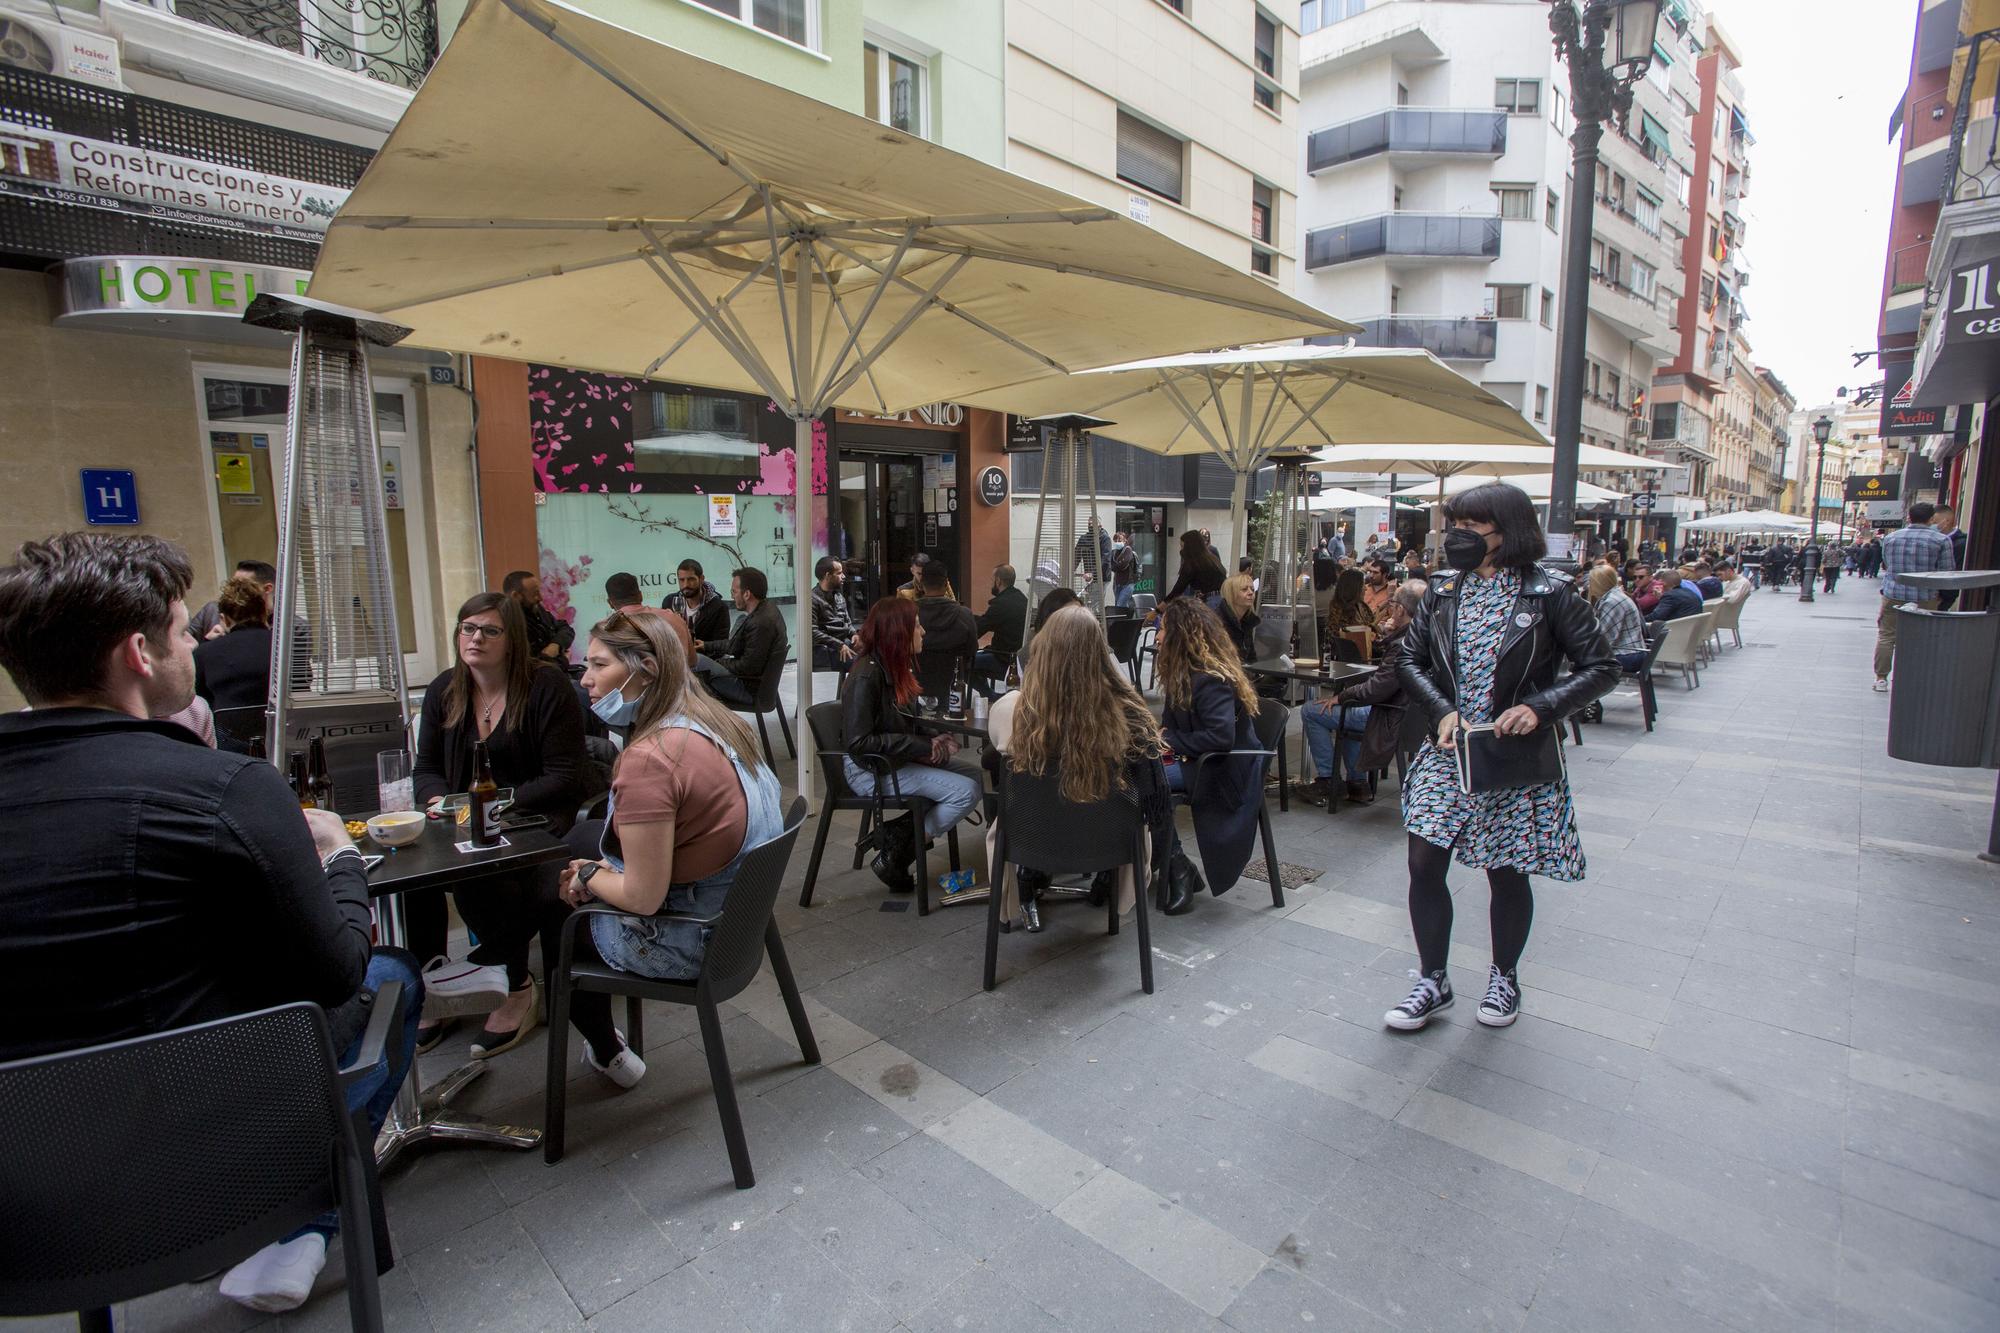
(1536, 484)
(1481, 462)
(1747, 520)
(1335, 498)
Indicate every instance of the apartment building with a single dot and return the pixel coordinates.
(1852, 447)
(1431, 211)
(1941, 281)
(1695, 386)
(1770, 440)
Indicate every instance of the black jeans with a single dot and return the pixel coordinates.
(732, 690)
(1511, 914)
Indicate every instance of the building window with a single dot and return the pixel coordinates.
(1507, 300)
(1541, 402)
(897, 88)
(1178, 6)
(1265, 39)
(1644, 279)
(1151, 158)
(1396, 198)
(1548, 308)
(793, 20)
(1316, 14)
(1613, 388)
(1559, 112)
(1395, 299)
(1553, 215)
(1263, 228)
(1646, 212)
(1521, 97)
(1517, 202)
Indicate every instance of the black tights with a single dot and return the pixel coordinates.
(1513, 908)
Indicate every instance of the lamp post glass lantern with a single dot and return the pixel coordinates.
(1809, 561)
(1608, 45)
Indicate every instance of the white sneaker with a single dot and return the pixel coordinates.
(278, 1277)
(461, 989)
(1881, 685)
(625, 1069)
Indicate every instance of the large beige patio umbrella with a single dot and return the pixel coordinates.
(566, 191)
(1246, 403)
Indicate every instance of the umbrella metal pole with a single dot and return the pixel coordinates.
(802, 549)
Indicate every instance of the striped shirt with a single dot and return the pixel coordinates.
(1618, 617)
(1916, 549)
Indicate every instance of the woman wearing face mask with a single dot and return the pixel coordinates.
(1484, 648)
(689, 797)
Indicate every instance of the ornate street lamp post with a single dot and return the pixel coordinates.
(1809, 562)
(1608, 45)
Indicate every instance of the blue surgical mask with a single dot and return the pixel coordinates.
(615, 710)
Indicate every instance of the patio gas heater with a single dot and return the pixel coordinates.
(1054, 561)
(337, 676)
(1285, 603)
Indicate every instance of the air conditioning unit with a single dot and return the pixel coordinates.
(26, 45)
(72, 50)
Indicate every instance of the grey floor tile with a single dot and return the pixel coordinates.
(901, 1261)
(491, 1276)
(978, 1212)
(1947, 1205)
(599, 1242)
(1282, 1299)
(1931, 1252)
(773, 1278)
(982, 1302)
(839, 1117)
(1083, 1285)
(680, 1302)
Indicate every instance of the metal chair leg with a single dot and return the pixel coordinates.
(725, 1095)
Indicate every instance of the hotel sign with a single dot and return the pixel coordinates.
(155, 284)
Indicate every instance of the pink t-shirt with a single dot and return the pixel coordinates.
(684, 776)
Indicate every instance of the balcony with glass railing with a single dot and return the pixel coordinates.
(1463, 338)
(1428, 131)
(1474, 236)
(392, 41)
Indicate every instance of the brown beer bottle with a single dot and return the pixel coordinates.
(485, 822)
(321, 778)
(302, 781)
(1014, 672)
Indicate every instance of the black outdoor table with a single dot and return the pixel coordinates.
(434, 862)
(1338, 674)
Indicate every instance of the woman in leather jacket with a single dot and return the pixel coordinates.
(880, 735)
(1484, 648)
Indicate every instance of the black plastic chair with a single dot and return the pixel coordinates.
(1123, 636)
(767, 701)
(744, 934)
(1344, 649)
(824, 722)
(1272, 716)
(1041, 831)
(142, 1164)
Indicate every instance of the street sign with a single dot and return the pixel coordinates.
(1877, 486)
(992, 487)
(110, 497)
(1643, 502)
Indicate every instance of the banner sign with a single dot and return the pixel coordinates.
(1900, 417)
(1883, 486)
(157, 284)
(55, 163)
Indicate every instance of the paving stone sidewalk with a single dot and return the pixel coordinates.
(1755, 1086)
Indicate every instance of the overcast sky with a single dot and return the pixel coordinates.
(1820, 81)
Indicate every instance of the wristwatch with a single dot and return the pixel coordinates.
(584, 873)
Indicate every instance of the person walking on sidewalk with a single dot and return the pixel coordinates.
(1484, 648)
(1915, 548)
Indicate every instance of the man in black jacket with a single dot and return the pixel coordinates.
(148, 882)
(833, 623)
(732, 668)
(1000, 627)
(1679, 600)
(698, 603)
(951, 633)
(547, 636)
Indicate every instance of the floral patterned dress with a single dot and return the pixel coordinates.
(1532, 829)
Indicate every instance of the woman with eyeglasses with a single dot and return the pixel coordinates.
(527, 713)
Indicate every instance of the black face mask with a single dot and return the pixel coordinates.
(1464, 549)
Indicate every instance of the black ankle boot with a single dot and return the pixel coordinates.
(898, 843)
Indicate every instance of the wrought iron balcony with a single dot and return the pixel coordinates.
(1460, 339)
(1975, 130)
(1437, 235)
(1408, 130)
(393, 41)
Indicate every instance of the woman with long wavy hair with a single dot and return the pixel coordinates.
(876, 725)
(1211, 710)
(1076, 715)
(690, 796)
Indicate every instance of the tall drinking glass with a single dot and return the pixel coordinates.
(395, 781)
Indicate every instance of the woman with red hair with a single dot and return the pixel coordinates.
(878, 728)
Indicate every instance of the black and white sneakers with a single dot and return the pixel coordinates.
(1502, 1004)
(1431, 995)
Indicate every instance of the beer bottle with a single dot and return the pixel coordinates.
(257, 748)
(321, 779)
(954, 701)
(485, 822)
(1014, 672)
(301, 781)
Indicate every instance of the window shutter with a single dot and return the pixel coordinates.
(1150, 158)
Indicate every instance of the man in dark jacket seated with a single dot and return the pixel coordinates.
(698, 603)
(951, 633)
(148, 882)
(1680, 599)
(733, 668)
(1000, 626)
